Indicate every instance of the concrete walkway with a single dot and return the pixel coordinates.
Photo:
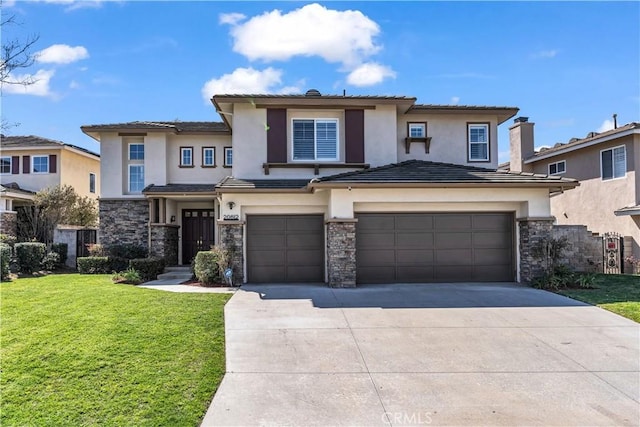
(439, 354)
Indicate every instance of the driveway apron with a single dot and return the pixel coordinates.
(432, 354)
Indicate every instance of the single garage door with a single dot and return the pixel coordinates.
(422, 247)
(285, 248)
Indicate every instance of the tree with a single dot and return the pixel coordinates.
(53, 206)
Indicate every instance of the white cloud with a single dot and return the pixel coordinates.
(345, 37)
(76, 4)
(230, 18)
(606, 125)
(74, 85)
(39, 86)
(369, 74)
(454, 100)
(61, 54)
(544, 54)
(245, 81)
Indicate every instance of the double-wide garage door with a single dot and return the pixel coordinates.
(285, 248)
(420, 247)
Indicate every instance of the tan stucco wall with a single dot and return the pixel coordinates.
(111, 166)
(593, 203)
(75, 169)
(197, 174)
(33, 181)
(448, 134)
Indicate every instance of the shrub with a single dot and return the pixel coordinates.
(206, 269)
(148, 268)
(96, 249)
(9, 240)
(94, 265)
(61, 249)
(117, 264)
(51, 261)
(129, 276)
(126, 250)
(5, 259)
(30, 256)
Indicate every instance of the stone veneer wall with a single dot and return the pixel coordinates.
(164, 243)
(341, 253)
(124, 221)
(231, 239)
(584, 250)
(9, 223)
(531, 232)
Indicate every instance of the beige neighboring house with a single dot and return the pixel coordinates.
(327, 188)
(31, 163)
(606, 164)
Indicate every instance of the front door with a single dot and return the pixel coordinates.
(197, 232)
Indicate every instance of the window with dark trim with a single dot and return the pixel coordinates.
(478, 142)
(613, 163)
(315, 139)
(228, 157)
(5, 165)
(208, 157)
(40, 164)
(136, 178)
(557, 167)
(186, 157)
(92, 182)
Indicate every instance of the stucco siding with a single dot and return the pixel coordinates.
(75, 169)
(33, 181)
(380, 135)
(196, 174)
(111, 165)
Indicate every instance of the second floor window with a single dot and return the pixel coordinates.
(186, 156)
(315, 139)
(228, 157)
(136, 151)
(417, 130)
(557, 167)
(478, 137)
(209, 156)
(5, 165)
(40, 164)
(136, 178)
(92, 183)
(613, 163)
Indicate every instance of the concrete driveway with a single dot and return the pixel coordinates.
(433, 354)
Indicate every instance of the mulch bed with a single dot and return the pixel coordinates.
(194, 282)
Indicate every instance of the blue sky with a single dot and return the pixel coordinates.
(567, 65)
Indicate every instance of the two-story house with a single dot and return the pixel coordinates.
(31, 163)
(606, 164)
(317, 188)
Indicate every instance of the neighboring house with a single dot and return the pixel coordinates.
(31, 163)
(337, 189)
(606, 165)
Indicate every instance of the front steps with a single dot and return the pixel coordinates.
(173, 276)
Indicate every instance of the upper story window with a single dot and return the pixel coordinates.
(136, 178)
(92, 182)
(417, 130)
(557, 167)
(613, 163)
(40, 164)
(228, 157)
(5, 165)
(478, 140)
(136, 151)
(209, 157)
(315, 139)
(186, 157)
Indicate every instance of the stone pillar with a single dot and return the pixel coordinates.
(341, 252)
(124, 221)
(532, 230)
(9, 223)
(231, 234)
(164, 243)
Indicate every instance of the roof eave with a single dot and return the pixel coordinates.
(444, 184)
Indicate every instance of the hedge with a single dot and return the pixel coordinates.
(30, 256)
(62, 249)
(5, 259)
(94, 265)
(147, 268)
(127, 251)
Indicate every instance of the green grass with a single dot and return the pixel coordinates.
(79, 350)
(614, 292)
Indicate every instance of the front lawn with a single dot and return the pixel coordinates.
(614, 292)
(80, 350)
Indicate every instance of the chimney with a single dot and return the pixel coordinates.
(521, 144)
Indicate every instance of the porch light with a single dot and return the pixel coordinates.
(231, 204)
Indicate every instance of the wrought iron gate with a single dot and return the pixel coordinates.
(613, 253)
(83, 239)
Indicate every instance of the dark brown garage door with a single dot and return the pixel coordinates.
(285, 248)
(410, 248)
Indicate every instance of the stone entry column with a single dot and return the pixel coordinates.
(9, 223)
(532, 230)
(232, 240)
(124, 221)
(341, 252)
(164, 243)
